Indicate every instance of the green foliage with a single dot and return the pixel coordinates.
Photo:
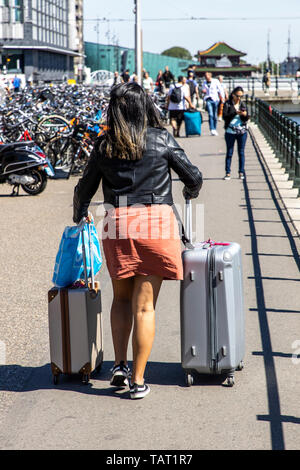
(273, 67)
(179, 52)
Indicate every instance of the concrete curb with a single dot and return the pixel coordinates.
(288, 194)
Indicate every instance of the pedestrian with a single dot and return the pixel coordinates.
(298, 80)
(267, 82)
(126, 76)
(117, 78)
(134, 78)
(194, 90)
(123, 159)
(16, 84)
(176, 104)
(187, 90)
(223, 97)
(148, 83)
(168, 78)
(159, 83)
(212, 91)
(235, 115)
(191, 69)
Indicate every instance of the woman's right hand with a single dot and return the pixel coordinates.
(186, 193)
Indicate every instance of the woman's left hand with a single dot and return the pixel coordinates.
(89, 218)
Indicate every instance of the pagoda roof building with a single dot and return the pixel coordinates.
(222, 59)
(220, 49)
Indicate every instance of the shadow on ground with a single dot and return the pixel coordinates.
(16, 378)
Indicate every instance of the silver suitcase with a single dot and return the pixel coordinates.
(75, 329)
(212, 308)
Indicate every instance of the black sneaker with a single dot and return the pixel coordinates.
(120, 375)
(139, 391)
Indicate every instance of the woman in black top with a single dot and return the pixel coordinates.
(134, 160)
(235, 115)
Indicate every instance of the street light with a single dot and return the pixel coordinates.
(1, 50)
(138, 40)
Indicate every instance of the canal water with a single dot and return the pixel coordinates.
(295, 117)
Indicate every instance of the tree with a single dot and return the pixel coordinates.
(178, 52)
(273, 67)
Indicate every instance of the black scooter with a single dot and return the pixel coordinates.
(24, 164)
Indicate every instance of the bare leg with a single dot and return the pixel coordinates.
(145, 293)
(121, 317)
(174, 126)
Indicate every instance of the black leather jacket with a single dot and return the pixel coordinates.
(229, 112)
(145, 181)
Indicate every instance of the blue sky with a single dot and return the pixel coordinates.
(247, 36)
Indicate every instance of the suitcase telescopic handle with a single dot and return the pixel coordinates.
(84, 255)
(188, 219)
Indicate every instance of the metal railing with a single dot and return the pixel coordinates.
(282, 133)
(252, 85)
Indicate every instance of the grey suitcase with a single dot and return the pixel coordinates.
(212, 308)
(75, 329)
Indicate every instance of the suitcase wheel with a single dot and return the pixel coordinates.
(189, 380)
(85, 379)
(230, 381)
(240, 366)
(55, 379)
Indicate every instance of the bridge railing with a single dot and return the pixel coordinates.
(281, 132)
(254, 85)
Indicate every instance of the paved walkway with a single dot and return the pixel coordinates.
(260, 412)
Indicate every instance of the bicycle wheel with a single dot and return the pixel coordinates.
(59, 152)
(54, 125)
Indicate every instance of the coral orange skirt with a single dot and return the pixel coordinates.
(142, 240)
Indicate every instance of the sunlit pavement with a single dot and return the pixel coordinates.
(260, 412)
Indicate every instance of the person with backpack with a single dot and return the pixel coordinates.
(194, 92)
(176, 104)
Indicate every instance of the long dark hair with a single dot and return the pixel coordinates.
(236, 89)
(129, 113)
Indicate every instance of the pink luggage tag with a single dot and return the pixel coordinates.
(210, 243)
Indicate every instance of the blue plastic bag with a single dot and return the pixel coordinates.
(69, 265)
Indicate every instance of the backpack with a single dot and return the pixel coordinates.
(192, 87)
(176, 95)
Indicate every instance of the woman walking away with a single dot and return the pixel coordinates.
(235, 115)
(142, 245)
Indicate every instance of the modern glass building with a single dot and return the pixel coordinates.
(38, 38)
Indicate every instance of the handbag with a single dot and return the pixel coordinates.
(238, 130)
(69, 263)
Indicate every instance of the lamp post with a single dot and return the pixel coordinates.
(138, 40)
(1, 51)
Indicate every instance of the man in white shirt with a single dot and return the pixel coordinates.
(212, 91)
(176, 103)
